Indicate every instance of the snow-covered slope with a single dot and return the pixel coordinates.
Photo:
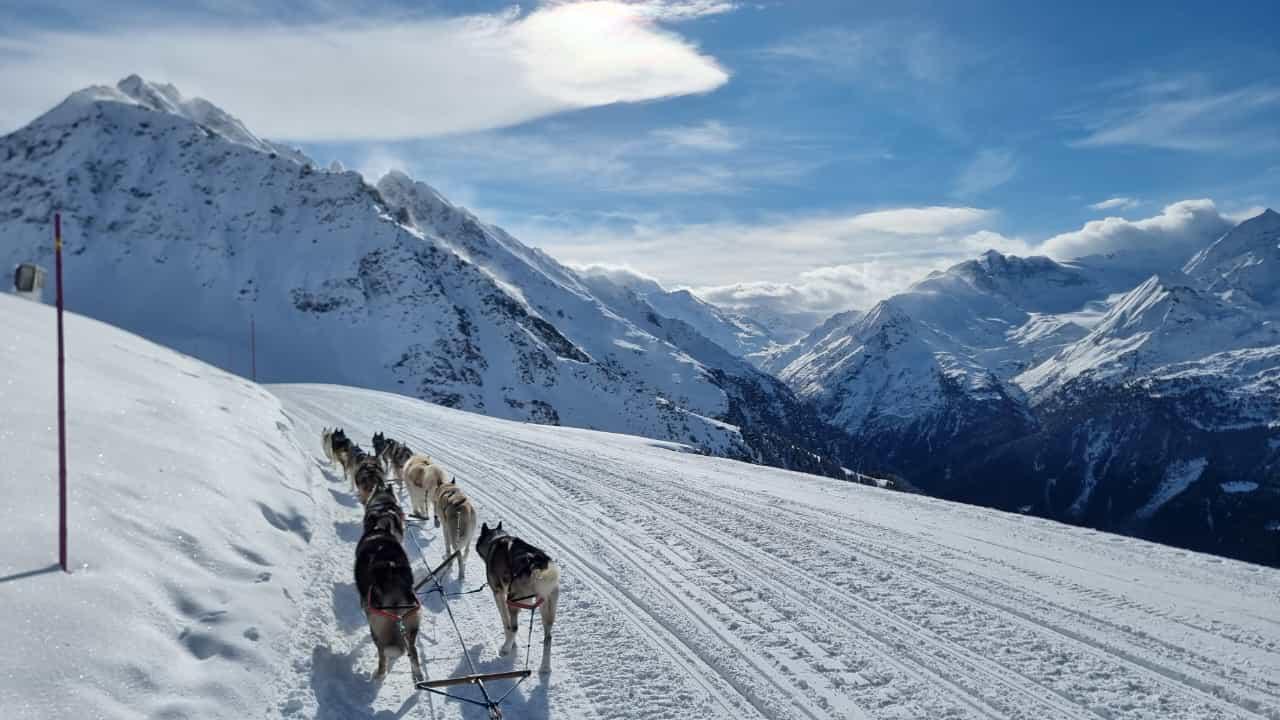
(218, 580)
(191, 513)
(1244, 264)
(184, 227)
(736, 333)
(1163, 321)
(775, 360)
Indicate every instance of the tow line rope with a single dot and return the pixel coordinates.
(493, 706)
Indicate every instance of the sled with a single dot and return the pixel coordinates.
(475, 678)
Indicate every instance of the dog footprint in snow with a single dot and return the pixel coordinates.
(251, 633)
(263, 577)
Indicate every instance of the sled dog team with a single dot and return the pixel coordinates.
(519, 574)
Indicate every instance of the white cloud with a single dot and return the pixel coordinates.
(379, 161)
(1168, 239)
(984, 240)
(1116, 203)
(880, 54)
(679, 10)
(381, 79)
(791, 257)
(989, 169)
(818, 265)
(1182, 113)
(685, 159)
(1240, 216)
(907, 221)
(711, 136)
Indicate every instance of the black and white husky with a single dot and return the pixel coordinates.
(521, 576)
(385, 582)
(337, 446)
(393, 454)
(366, 474)
(382, 512)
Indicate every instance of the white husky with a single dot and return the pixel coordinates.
(326, 444)
(421, 478)
(457, 519)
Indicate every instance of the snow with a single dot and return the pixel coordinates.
(1239, 486)
(213, 550)
(1163, 326)
(190, 507)
(1177, 478)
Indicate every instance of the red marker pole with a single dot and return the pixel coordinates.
(62, 403)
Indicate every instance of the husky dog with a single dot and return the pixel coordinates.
(397, 455)
(326, 444)
(421, 479)
(341, 447)
(380, 445)
(392, 453)
(382, 512)
(519, 573)
(366, 474)
(384, 579)
(457, 519)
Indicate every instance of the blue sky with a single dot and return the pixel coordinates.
(819, 153)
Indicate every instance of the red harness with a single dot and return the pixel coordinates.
(368, 604)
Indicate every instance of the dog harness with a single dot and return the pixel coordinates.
(386, 612)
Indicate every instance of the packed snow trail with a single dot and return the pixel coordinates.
(699, 587)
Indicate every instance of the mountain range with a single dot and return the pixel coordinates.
(1137, 392)
(183, 226)
(1054, 388)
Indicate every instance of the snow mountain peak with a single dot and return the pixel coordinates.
(135, 93)
(1244, 264)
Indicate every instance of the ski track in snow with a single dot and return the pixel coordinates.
(696, 587)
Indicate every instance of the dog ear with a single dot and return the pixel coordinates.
(484, 527)
(499, 525)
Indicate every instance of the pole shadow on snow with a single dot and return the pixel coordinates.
(343, 693)
(30, 573)
(528, 702)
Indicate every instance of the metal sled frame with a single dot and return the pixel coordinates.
(475, 678)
